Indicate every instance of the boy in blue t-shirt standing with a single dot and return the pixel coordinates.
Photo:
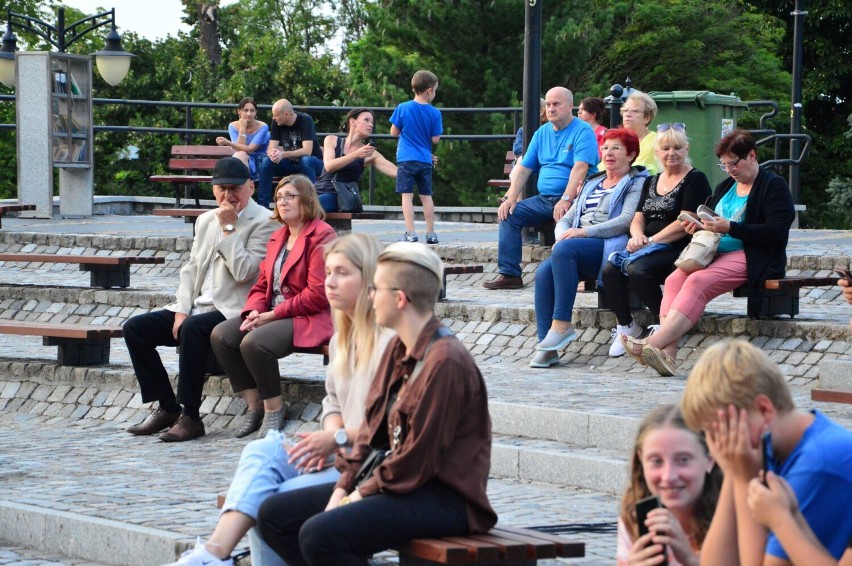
(418, 126)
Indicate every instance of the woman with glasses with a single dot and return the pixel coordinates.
(268, 466)
(656, 235)
(287, 307)
(755, 211)
(595, 226)
(638, 111)
(345, 158)
(247, 134)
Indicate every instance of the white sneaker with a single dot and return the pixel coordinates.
(616, 349)
(544, 359)
(199, 556)
(653, 329)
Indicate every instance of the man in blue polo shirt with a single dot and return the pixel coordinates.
(561, 151)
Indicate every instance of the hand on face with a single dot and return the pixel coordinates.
(228, 212)
(729, 440)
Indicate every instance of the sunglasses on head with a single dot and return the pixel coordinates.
(677, 126)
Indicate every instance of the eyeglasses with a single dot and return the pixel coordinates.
(287, 197)
(371, 290)
(605, 148)
(631, 111)
(677, 126)
(728, 166)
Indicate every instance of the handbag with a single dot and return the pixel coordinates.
(700, 251)
(348, 197)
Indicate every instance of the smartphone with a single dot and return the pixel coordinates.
(686, 217)
(705, 216)
(843, 273)
(643, 507)
(765, 442)
(706, 211)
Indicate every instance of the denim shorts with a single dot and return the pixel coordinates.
(410, 172)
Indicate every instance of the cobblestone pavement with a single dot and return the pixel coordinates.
(20, 556)
(92, 467)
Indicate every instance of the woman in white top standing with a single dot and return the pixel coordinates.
(271, 465)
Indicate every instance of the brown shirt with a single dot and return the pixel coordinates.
(444, 416)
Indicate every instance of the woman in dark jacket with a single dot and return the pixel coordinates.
(755, 213)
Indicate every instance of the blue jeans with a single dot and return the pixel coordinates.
(557, 277)
(528, 212)
(263, 471)
(308, 165)
(328, 201)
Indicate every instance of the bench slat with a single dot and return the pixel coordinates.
(181, 178)
(4, 208)
(536, 548)
(564, 547)
(478, 551)
(436, 550)
(509, 549)
(203, 150)
(192, 163)
(798, 282)
(81, 259)
(79, 331)
(181, 212)
(831, 396)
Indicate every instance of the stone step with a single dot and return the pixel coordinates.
(559, 463)
(836, 374)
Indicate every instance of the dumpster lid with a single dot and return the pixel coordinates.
(699, 98)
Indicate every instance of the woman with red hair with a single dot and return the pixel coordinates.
(596, 225)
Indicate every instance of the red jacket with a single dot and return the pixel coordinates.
(302, 284)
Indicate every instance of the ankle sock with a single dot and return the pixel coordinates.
(170, 406)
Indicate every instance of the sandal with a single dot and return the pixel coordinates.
(659, 360)
(628, 342)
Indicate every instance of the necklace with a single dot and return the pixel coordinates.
(672, 181)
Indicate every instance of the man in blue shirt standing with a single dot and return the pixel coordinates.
(561, 151)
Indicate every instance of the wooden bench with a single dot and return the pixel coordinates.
(340, 221)
(508, 163)
(456, 270)
(79, 344)
(782, 295)
(831, 396)
(191, 160)
(504, 545)
(106, 271)
(4, 208)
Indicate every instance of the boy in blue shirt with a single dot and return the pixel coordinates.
(418, 126)
(735, 393)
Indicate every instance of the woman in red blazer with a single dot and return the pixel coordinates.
(286, 308)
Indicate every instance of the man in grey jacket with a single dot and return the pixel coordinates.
(230, 242)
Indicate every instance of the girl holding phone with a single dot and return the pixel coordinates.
(672, 463)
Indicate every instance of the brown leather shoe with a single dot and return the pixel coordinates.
(154, 423)
(185, 428)
(504, 282)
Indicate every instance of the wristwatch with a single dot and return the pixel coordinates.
(567, 198)
(340, 437)
(229, 228)
(651, 240)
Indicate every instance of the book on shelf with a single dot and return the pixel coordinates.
(60, 81)
(75, 88)
(60, 151)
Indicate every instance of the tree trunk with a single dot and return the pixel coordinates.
(208, 32)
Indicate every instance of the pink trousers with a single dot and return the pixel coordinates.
(689, 293)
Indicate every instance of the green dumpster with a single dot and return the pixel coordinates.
(708, 117)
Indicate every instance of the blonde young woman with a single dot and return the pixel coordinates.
(266, 467)
(248, 135)
(673, 463)
(345, 158)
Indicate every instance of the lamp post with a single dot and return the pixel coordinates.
(113, 61)
(54, 109)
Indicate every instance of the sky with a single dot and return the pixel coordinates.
(151, 19)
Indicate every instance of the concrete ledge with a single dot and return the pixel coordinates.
(89, 538)
(836, 374)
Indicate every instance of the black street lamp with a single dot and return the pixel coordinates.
(113, 61)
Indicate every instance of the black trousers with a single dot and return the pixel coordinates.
(296, 527)
(644, 277)
(144, 332)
